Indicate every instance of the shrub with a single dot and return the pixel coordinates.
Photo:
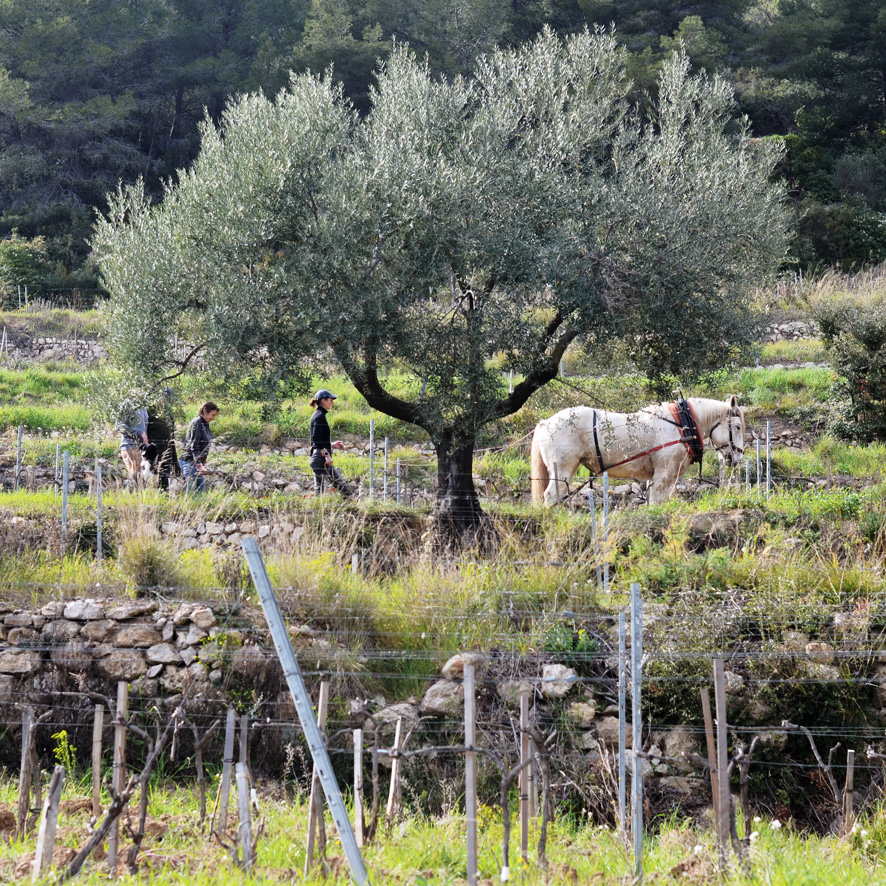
(853, 329)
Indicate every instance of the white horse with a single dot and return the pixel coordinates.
(657, 443)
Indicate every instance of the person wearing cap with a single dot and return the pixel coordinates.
(320, 454)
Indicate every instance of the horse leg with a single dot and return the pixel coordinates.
(561, 474)
(662, 486)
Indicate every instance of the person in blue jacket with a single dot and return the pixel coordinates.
(320, 454)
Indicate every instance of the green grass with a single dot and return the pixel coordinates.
(424, 849)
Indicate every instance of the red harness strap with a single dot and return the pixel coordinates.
(686, 441)
(693, 443)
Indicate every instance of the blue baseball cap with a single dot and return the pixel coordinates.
(323, 394)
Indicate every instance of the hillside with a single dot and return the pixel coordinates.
(788, 587)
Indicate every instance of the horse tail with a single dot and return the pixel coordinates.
(538, 470)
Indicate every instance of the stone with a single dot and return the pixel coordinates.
(172, 680)
(18, 620)
(21, 636)
(678, 783)
(582, 713)
(734, 682)
(386, 719)
(215, 676)
(19, 661)
(99, 631)
(122, 664)
(679, 742)
(188, 654)
(137, 635)
(455, 667)
(213, 528)
(54, 609)
(607, 732)
(203, 617)
(588, 742)
(556, 680)
(444, 698)
(72, 657)
(168, 632)
(169, 528)
(163, 653)
(182, 615)
(194, 636)
(7, 688)
(84, 610)
(190, 544)
(264, 531)
(230, 527)
(509, 691)
(136, 609)
(826, 673)
(820, 651)
(154, 671)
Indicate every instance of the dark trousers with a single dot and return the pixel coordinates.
(328, 475)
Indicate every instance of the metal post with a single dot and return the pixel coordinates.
(304, 708)
(18, 459)
(622, 725)
(768, 457)
(398, 479)
(511, 381)
(605, 532)
(64, 503)
(637, 727)
(759, 467)
(470, 777)
(371, 457)
(358, 786)
(598, 567)
(98, 510)
(385, 481)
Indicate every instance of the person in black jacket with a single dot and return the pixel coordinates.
(321, 446)
(196, 447)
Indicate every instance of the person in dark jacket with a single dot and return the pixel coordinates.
(160, 452)
(321, 446)
(196, 447)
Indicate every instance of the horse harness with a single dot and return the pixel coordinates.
(690, 437)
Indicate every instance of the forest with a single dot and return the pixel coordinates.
(94, 93)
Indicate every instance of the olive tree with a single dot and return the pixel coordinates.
(459, 226)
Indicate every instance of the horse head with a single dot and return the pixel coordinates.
(727, 433)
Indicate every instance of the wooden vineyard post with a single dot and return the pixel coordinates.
(26, 774)
(247, 858)
(358, 786)
(723, 798)
(470, 777)
(525, 776)
(118, 777)
(315, 804)
(227, 766)
(848, 794)
(394, 791)
(712, 761)
(48, 825)
(97, 724)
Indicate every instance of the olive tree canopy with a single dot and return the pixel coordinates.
(510, 213)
